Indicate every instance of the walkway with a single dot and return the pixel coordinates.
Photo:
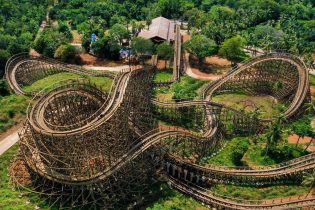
(105, 68)
(8, 142)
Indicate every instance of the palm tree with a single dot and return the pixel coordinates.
(309, 181)
(274, 133)
(312, 135)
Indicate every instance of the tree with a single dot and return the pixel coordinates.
(169, 8)
(274, 133)
(196, 18)
(309, 181)
(65, 29)
(105, 47)
(165, 51)
(4, 89)
(301, 128)
(141, 46)
(201, 47)
(119, 32)
(66, 52)
(268, 38)
(232, 49)
(49, 41)
(4, 56)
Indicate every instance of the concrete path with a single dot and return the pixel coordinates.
(104, 68)
(8, 142)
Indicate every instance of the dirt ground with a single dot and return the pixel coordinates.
(304, 141)
(89, 59)
(161, 64)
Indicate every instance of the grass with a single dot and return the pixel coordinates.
(312, 80)
(11, 199)
(266, 104)
(186, 88)
(259, 193)
(163, 76)
(172, 200)
(13, 110)
(13, 107)
(103, 82)
(231, 154)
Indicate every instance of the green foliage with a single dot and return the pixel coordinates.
(171, 200)
(201, 46)
(231, 154)
(162, 76)
(65, 30)
(19, 23)
(12, 110)
(186, 88)
(309, 180)
(4, 55)
(258, 193)
(196, 18)
(231, 49)
(165, 51)
(141, 46)
(4, 89)
(49, 41)
(66, 53)
(105, 47)
(285, 152)
(118, 32)
(302, 127)
(269, 38)
(103, 82)
(312, 80)
(13, 199)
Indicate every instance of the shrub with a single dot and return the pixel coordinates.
(66, 52)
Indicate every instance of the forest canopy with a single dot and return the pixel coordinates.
(19, 23)
(267, 24)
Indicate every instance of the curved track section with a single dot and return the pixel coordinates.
(83, 140)
(23, 69)
(260, 74)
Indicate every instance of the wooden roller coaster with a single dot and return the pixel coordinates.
(81, 147)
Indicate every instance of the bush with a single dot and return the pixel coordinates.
(66, 52)
(4, 89)
(286, 152)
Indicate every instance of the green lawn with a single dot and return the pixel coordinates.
(162, 76)
(11, 199)
(169, 199)
(231, 154)
(259, 193)
(312, 80)
(13, 109)
(268, 107)
(103, 82)
(186, 88)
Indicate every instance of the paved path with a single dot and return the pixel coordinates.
(105, 68)
(8, 142)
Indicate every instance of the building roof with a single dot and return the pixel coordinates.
(160, 28)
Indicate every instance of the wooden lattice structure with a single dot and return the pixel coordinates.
(81, 147)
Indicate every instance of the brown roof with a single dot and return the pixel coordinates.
(161, 28)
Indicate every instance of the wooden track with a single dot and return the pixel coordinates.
(120, 130)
